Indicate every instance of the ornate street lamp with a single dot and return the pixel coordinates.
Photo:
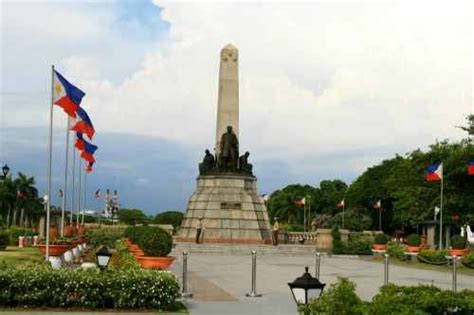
(306, 288)
(103, 257)
(5, 171)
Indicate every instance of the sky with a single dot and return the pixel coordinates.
(327, 88)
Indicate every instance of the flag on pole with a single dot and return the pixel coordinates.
(434, 172)
(20, 194)
(88, 168)
(61, 193)
(300, 202)
(377, 205)
(97, 194)
(341, 204)
(266, 198)
(470, 168)
(66, 95)
(88, 149)
(83, 123)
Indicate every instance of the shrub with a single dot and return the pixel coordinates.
(430, 256)
(105, 236)
(340, 298)
(413, 240)
(4, 239)
(458, 242)
(16, 232)
(295, 228)
(123, 259)
(156, 242)
(87, 289)
(337, 244)
(381, 239)
(359, 244)
(468, 260)
(354, 220)
(396, 250)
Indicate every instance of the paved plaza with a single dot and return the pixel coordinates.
(220, 281)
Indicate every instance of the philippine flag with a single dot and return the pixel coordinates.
(83, 123)
(377, 205)
(341, 204)
(434, 172)
(470, 168)
(88, 149)
(66, 95)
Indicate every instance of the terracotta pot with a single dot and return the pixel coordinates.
(54, 250)
(379, 246)
(459, 252)
(53, 233)
(137, 252)
(68, 231)
(133, 247)
(81, 230)
(162, 263)
(413, 249)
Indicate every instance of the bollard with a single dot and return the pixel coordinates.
(185, 293)
(455, 280)
(317, 266)
(385, 278)
(253, 292)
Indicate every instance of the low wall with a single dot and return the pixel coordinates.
(321, 238)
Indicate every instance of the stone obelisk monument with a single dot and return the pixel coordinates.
(226, 203)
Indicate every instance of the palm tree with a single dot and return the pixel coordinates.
(27, 194)
(7, 198)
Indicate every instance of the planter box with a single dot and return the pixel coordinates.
(459, 252)
(379, 246)
(54, 250)
(162, 263)
(413, 249)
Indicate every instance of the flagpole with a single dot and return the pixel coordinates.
(50, 158)
(304, 217)
(343, 208)
(73, 184)
(380, 217)
(85, 195)
(63, 210)
(441, 215)
(79, 195)
(309, 213)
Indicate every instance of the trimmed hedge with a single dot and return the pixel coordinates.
(434, 257)
(381, 239)
(105, 236)
(16, 232)
(88, 289)
(153, 240)
(413, 240)
(458, 242)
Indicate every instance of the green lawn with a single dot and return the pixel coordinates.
(20, 256)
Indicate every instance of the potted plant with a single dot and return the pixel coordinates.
(413, 243)
(56, 247)
(458, 246)
(156, 244)
(380, 242)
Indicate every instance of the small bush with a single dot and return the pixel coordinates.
(295, 228)
(431, 256)
(396, 250)
(413, 240)
(4, 239)
(468, 260)
(16, 232)
(458, 242)
(123, 259)
(88, 289)
(359, 244)
(105, 236)
(381, 239)
(170, 217)
(156, 242)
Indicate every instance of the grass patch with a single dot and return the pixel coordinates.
(15, 256)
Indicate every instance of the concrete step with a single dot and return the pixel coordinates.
(244, 249)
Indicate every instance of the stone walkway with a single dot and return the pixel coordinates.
(219, 281)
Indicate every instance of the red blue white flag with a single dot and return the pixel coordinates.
(434, 172)
(66, 95)
(470, 168)
(87, 149)
(82, 123)
(377, 205)
(300, 202)
(341, 204)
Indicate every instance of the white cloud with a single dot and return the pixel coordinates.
(314, 78)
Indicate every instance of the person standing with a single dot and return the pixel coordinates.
(275, 229)
(198, 230)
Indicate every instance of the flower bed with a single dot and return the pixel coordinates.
(433, 257)
(88, 289)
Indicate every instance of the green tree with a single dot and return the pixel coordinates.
(169, 217)
(131, 216)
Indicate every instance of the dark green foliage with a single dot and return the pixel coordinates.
(354, 220)
(170, 217)
(381, 239)
(431, 256)
(132, 216)
(458, 242)
(468, 260)
(87, 289)
(295, 228)
(359, 244)
(4, 239)
(16, 232)
(396, 250)
(339, 299)
(105, 236)
(337, 244)
(413, 240)
(155, 241)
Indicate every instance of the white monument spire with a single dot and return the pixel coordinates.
(228, 98)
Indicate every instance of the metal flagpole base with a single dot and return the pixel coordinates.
(253, 295)
(186, 295)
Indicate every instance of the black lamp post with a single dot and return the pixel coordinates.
(5, 171)
(306, 288)
(103, 257)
